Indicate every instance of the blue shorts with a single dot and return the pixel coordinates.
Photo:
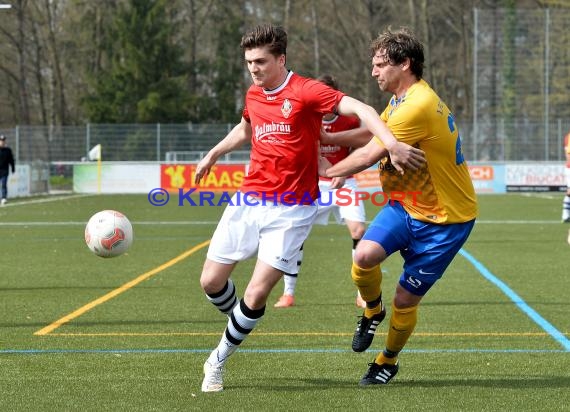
(427, 248)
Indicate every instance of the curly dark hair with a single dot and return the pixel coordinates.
(400, 45)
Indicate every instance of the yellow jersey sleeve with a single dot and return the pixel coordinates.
(442, 191)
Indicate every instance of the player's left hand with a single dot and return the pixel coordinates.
(203, 168)
(324, 164)
(325, 137)
(403, 156)
(337, 182)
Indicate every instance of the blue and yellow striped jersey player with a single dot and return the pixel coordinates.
(430, 224)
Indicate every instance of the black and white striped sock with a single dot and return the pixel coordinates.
(241, 323)
(226, 299)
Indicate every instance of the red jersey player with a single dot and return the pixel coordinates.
(273, 212)
(349, 211)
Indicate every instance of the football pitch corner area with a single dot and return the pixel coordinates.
(541, 322)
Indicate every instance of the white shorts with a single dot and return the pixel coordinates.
(328, 204)
(567, 170)
(275, 232)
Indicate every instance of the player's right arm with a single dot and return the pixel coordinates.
(359, 160)
(401, 155)
(235, 139)
(347, 138)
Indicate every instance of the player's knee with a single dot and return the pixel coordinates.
(359, 258)
(206, 285)
(255, 297)
(211, 284)
(366, 258)
(404, 299)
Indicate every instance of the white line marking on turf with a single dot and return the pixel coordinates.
(517, 222)
(245, 350)
(21, 202)
(215, 222)
(74, 223)
(539, 196)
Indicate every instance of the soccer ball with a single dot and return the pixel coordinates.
(108, 233)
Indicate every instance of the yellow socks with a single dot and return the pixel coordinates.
(371, 312)
(402, 324)
(368, 282)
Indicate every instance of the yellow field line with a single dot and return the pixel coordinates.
(428, 334)
(118, 291)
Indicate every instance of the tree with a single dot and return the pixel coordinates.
(508, 106)
(65, 62)
(145, 78)
(15, 60)
(227, 65)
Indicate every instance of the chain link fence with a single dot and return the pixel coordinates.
(119, 142)
(521, 84)
(189, 142)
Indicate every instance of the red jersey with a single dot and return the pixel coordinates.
(334, 153)
(286, 124)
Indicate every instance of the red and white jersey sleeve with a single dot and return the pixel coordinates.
(285, 125)
(334, 153)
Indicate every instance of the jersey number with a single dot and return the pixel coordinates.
(459, 159)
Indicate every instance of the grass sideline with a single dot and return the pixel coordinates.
(475, 348)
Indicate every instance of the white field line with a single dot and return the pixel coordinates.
(215, 222)
(20, 202)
